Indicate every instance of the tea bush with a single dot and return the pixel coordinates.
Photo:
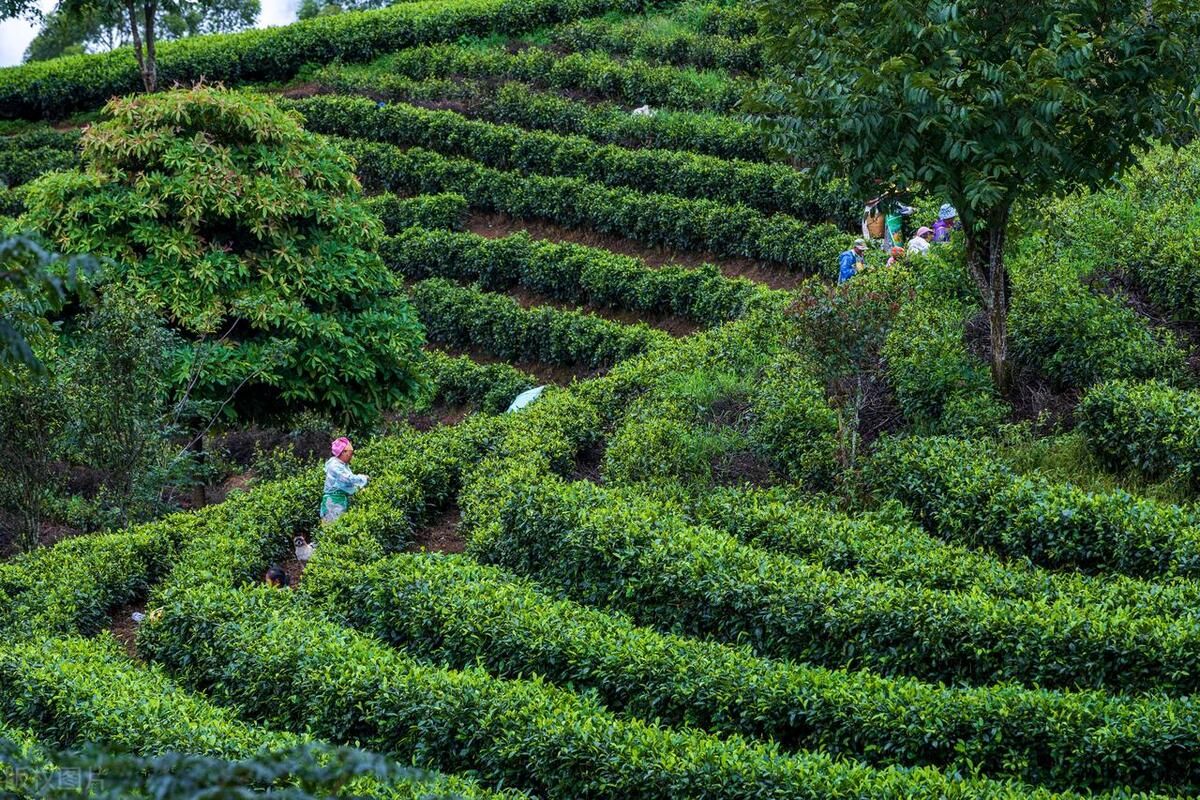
(1151, 428)
(963, 494)
(459, 381)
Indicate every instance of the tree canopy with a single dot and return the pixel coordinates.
(979, 101)
(78, 26)
(247, 232)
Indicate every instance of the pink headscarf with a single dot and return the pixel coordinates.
(339, 445)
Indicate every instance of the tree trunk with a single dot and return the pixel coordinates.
(150, 75)
(985, 259)
(199, 496)
(135, 31)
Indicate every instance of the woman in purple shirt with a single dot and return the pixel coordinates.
(947, 221)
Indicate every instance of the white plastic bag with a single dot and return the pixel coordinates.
(525, 398)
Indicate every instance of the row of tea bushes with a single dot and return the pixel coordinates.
(72, 586)
(521, 104)
(631, 82)
(460, 381)
(963, 493)
(888, 545)
(691, 131)
(458, 613)
(59, 86)
(572, 273)
(260, 653)
(445, 211)
(463, 317)
(617, 550)
(770, 188)
(655, 219)
(74, 691)
(681, 47)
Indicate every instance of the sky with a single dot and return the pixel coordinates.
(15, 34)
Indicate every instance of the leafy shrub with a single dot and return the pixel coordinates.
(118, 358)
(1151, 428)
(265, 231)
(770, 188)
(963, 493)
(32, 419)
(54, 88)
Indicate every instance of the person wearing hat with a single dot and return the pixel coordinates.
(947, 221)
(851, 262)
(340, 481)
(920, 243)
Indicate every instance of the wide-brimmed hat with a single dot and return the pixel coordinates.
(947, 211)
(924, 230)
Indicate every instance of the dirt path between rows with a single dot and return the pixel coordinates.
(441, 535)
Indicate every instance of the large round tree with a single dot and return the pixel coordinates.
(248, 233)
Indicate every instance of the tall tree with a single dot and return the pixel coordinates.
(249, 235)
(983, 102)
(75, 25)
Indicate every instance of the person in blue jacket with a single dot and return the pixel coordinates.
(851, 262)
